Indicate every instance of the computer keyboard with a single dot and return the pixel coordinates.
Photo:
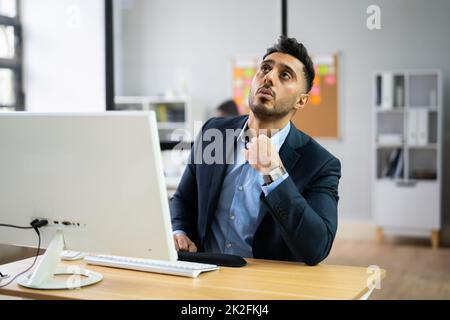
(177, 268)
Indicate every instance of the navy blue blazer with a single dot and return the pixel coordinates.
(300, 215)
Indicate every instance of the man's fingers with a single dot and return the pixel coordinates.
(192, 247)
(177, 247)
(183, 243)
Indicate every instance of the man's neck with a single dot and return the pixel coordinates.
(269, 127)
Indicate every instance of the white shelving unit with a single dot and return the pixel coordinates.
(407, 153)
(173, 114)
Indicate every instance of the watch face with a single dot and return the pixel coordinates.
(274, 175)
(275, 172)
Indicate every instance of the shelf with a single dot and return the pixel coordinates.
(400, 110)
(430, 146)
(171, 125)
(429, 108)
(172, 113)
(405, 183)
(389, 146)
(389, 180)
(150, 99)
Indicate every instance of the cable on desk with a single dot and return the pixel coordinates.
(35, 224)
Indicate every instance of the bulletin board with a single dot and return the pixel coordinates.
(320, 117)
(243, 71)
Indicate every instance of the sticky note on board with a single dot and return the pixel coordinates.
(316, 80)
(316, 100)
(330, 80)
(322, 70)
(238, 73)
(315, 90)
(238, 83)
(331, 70)
(237, 92)
(239, 101)
(249, 72)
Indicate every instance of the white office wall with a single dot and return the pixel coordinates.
(414, 34)
(166, 42)
(64, 55)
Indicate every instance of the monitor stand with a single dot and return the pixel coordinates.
(43, 277)
(72, 255)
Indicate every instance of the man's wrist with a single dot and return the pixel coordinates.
(178, 232)
(274, 175)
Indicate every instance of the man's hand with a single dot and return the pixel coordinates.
(183, 243)
(262, 155)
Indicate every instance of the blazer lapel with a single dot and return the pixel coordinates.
(289, 153)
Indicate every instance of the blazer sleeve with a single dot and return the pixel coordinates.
(184, 203)
(308, 221)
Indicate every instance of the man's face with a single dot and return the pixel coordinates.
(278, 87)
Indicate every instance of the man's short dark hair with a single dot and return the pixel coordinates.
(292, 47)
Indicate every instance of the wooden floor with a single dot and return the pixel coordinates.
(414, 270)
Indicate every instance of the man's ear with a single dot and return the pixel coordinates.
(302, 101)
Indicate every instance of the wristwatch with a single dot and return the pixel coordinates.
(274, 175)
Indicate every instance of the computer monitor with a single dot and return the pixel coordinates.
(97, 179)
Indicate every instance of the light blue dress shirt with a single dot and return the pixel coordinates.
(237, 216)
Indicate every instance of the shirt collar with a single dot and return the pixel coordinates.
(277, 139)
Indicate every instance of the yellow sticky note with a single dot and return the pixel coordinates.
(238, 73)
(316, 100)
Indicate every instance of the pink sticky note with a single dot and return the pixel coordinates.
(315, 90)
(330, 80)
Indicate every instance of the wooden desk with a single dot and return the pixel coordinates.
(259, 280)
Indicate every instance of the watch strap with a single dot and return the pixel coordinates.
(274, 175)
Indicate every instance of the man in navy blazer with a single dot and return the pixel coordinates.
(255, 185)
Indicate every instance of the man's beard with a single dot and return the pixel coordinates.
(280, 109)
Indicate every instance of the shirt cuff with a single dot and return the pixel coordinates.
(268, 189)
(177, 232)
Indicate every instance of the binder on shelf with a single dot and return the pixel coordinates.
(399, 97)
(433, 98)
(378, 97)
(399, 166)
(422, 127)
(387, 90)
(399, 91)
(412, 127)
(394, 165)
